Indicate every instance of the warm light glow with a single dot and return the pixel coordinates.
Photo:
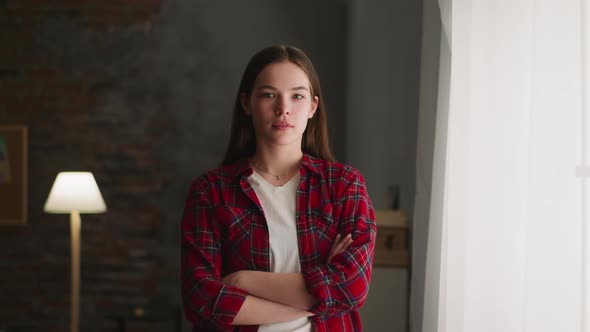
(75, 191)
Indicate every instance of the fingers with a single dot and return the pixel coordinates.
(333, 249)
(340, 245)
(335, 243)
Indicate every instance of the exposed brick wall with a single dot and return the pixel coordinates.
(68, 72)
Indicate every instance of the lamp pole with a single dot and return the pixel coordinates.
(75, 278)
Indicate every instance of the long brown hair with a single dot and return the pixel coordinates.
(242, 140)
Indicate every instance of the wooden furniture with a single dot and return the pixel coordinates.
(392, 242)
(392, 247)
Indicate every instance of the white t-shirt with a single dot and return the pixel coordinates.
(278, 204)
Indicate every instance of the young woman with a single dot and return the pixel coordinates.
(280, 237)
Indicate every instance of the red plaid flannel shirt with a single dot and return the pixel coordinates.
(224, 230)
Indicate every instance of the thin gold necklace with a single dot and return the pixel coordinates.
(278, 177)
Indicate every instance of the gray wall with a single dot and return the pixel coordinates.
(384, 57)
(430, 165)
(429, 79)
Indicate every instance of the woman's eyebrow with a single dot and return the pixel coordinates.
(299, 88)
(266, 87)
(270, 87)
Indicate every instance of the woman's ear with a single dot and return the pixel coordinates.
(314, 106)
(244, 103)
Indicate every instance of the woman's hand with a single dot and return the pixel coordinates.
(340, 244)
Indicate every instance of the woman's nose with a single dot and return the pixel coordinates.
(281, 107)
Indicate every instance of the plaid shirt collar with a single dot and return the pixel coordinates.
(243, 168)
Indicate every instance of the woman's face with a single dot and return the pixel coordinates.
(280, 104)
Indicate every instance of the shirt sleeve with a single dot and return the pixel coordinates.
(208, 303)
(343, 284)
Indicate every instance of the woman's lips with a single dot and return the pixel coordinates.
(282, 125)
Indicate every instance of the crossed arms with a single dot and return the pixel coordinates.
(212, 300)
(276, 297)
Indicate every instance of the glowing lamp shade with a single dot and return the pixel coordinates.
(75, 191)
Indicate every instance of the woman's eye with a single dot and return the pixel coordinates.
(298, 96)
(268, 95)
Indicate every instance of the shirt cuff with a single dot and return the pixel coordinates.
(228, 304)
(319, 283)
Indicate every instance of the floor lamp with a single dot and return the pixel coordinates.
(74, 193)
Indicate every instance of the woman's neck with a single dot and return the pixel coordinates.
(277, 160)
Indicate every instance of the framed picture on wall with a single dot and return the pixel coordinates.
(13, 174)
